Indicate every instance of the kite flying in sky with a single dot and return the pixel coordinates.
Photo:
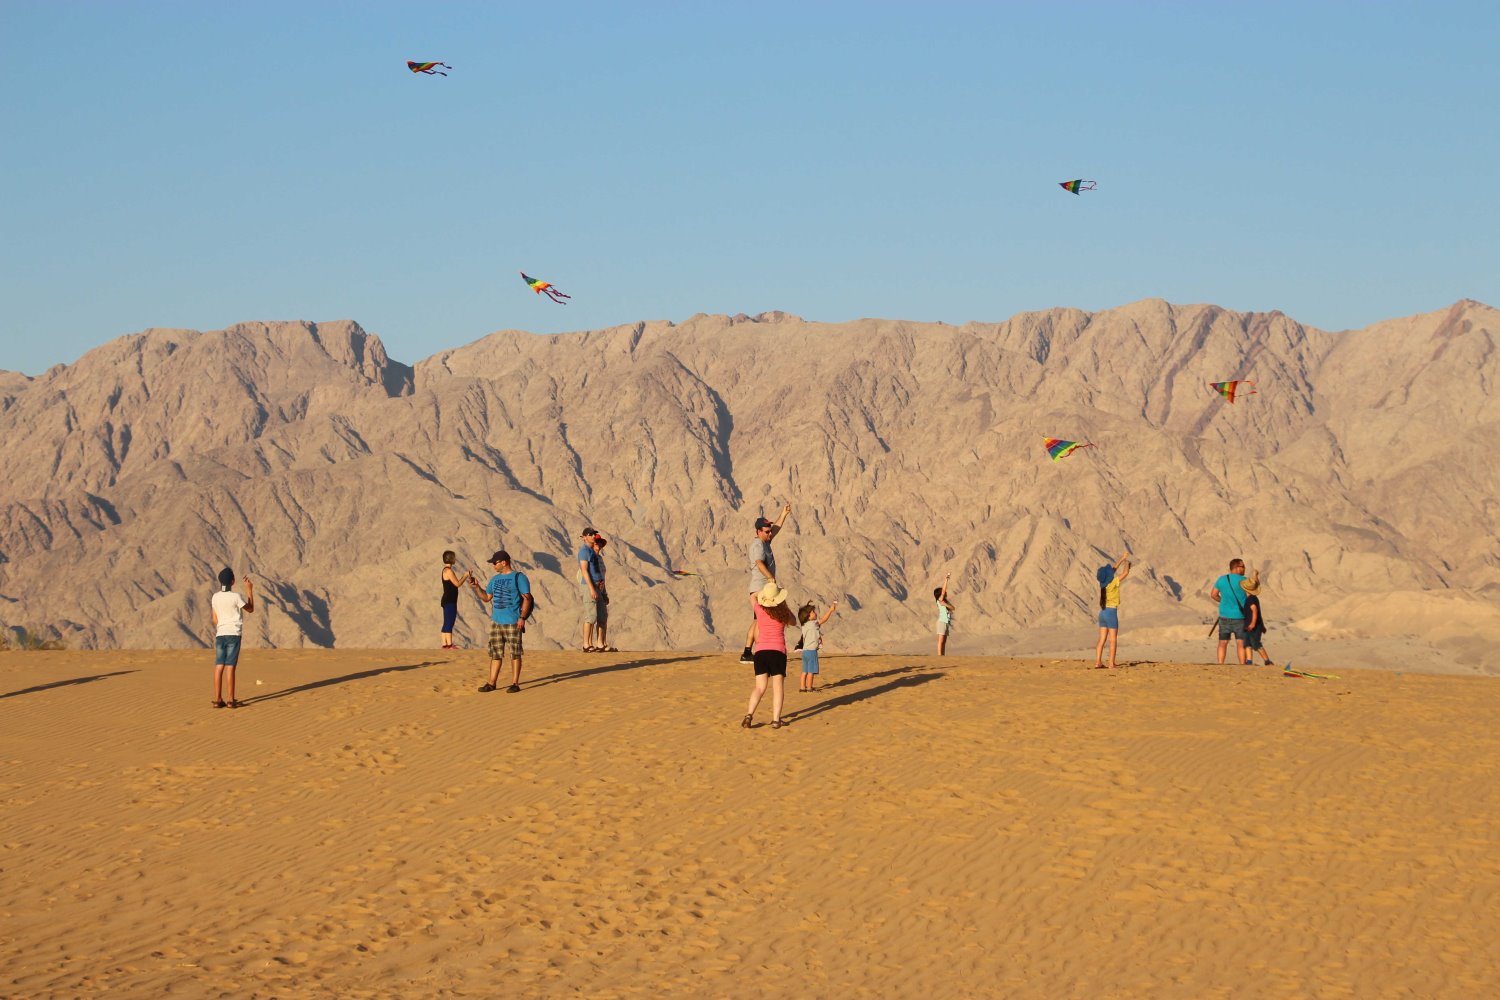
(1078, 185)
(1228, 389)
(428, 68)
(539, 286)
(1062, 449)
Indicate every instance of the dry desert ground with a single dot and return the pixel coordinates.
(370, 826)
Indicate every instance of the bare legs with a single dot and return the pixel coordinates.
(1239, 645)
(942, 642)
(1113, 636)
(588, 635)
(778, 695)
(515, 672)
(221, 674)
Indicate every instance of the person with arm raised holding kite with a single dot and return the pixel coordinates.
(762, 570)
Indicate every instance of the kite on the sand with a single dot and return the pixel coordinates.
(539, 286)
(1287, 671)
(428, 68)
(1078, 186)
(1062, 449)
(680, 572)
(1228, 389)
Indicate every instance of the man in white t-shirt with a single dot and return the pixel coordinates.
(229, 610)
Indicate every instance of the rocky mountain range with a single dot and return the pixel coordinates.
(333, 476)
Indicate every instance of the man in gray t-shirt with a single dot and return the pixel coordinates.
(762, 569)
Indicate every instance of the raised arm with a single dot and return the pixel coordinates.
(943, 597)
(249, 597)
(829, 613)
(786, 509)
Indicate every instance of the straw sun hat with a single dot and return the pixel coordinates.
(1251, 586)
(771, 595)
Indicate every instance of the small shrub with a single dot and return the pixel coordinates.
(22, 638)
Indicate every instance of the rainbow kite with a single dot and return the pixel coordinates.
(1078, 186)
(428, 68)
(1228, 389)
(544, 287)
(1061, 449)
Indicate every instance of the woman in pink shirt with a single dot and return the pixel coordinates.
(772, 616)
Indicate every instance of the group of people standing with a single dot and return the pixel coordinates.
(507, 596)
(771, 616)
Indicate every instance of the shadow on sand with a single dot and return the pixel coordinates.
(607, 668)
(330, 681)
(857, 678)
(67, 683)
(914, 680)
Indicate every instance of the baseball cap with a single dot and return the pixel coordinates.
(500, 556)
(761, 522)
(588, 533)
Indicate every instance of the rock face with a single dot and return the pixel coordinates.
(301, 455)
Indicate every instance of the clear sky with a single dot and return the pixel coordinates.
(194, 164)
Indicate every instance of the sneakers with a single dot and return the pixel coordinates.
(747, 656)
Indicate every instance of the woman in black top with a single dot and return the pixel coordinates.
(451, 582)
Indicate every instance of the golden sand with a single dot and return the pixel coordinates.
(370, 826)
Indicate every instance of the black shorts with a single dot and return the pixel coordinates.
(771, 662)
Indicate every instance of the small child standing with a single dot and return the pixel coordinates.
(229, 627)
(945, 615)
(812, 639)
(1255, 621)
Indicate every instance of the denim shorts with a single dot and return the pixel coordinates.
(809, 661)
(226, 650)
(1231, 628)
(1109, 618)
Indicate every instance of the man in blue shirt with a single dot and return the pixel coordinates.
(510, 600)
(588, 587)
(1226, 590)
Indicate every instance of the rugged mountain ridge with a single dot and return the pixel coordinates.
(302, 454)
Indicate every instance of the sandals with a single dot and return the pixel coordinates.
(745, 722)
(606, 649)
(778, 723)
(486, 687)
(235, 704)
(221, 703)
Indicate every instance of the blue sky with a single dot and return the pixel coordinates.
(197, 164)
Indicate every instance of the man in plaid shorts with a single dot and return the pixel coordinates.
(509, 594)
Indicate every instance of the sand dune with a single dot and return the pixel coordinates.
(369, 826)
